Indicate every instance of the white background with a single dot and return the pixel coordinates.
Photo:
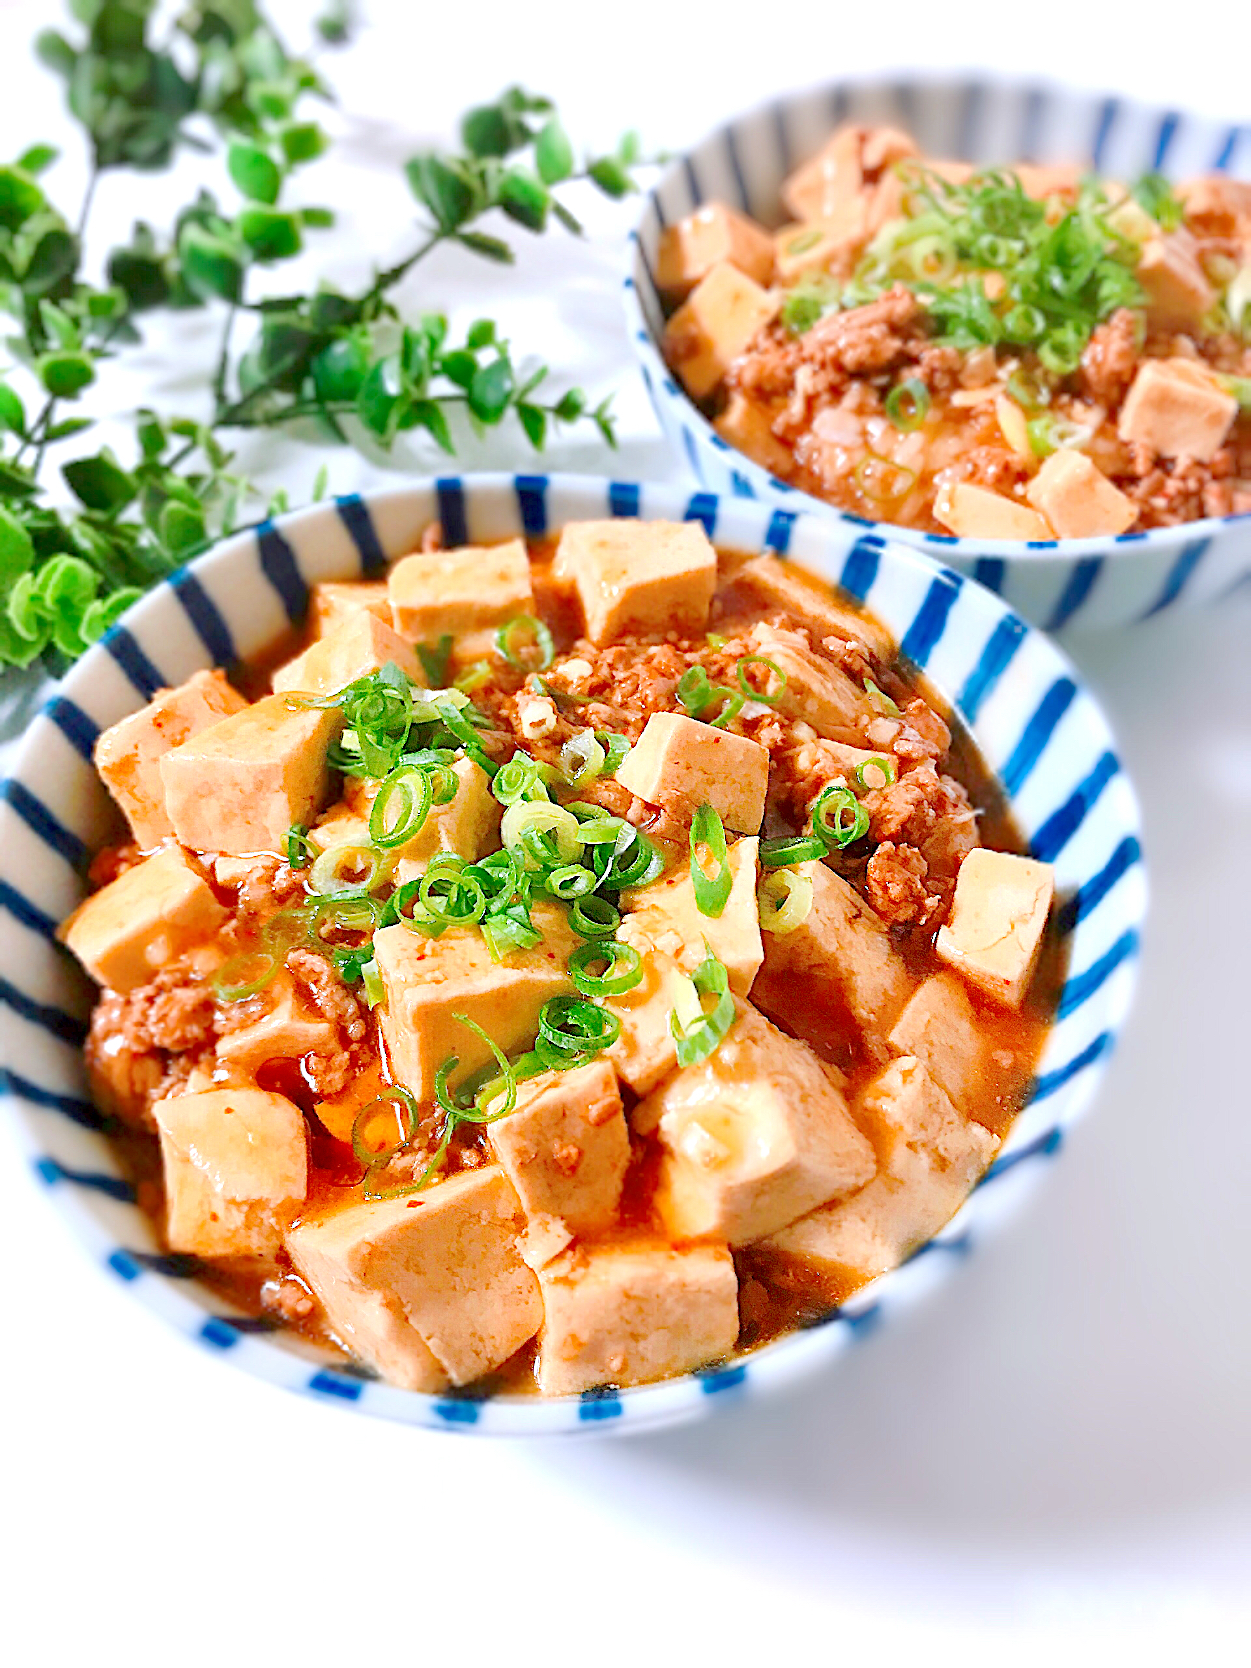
(1051, 1459)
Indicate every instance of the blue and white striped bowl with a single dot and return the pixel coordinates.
(1079, 583)
(1040, 731)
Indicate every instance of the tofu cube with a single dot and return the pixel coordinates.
(468, 824)
(1219, 205)
(127, 931)
(1178, 292)
(745, 425)
(1077, 498)
(828, 244)
(287, 1030)
(786, 585)
(429, 1289)
(682, 764)
(236, 1170)
(690, 250)
(838, 964)
(441, 592)
(754, 1136)
(634, 1311)
(333, 602)
(941, 1028)
(239, 786)
(716, 322)
(666, 916)
(833, 176)
(997, 920)
(1041, 180)
(638, 576)
(128, 753)
(973, 512)
(1177, 408)
(645, 1052)
(929, 1156)
(816, 690)
(566, 1149)
(361, 644)
(430, 980)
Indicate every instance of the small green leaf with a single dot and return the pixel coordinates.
(571, 406)
(302, 142)
(568, 220)
(459, 367)
(255, 173)
(339, 369)
(101, 483)
(629, 150)
(17, 551)
(271, 234)
(20, 197)
(481, 333)
(15, 482)
(491, 248)
(65, 375)
(38, 158)
(491, 390)
(534, 422)
(320, 482)
(524, 199)
(430, 415)
(271, 100)
(12, 411)
(487, 131)
(58, 326)
(212, 266)
(53, 258)
(181, 529)
(321, 218)
(553, 154)
(443, 187)
(140, 271)
(104, 613)
(67, 427)
(377, 403)
(16, 649)
(55, 52)
(611, 177)
(150, 432)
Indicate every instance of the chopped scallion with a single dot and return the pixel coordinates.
(526, 643)
(712, 891)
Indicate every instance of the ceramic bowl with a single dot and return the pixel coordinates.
(1038, 729)
(1081, 583)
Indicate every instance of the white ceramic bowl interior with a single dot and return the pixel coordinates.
(1039, 730)
(1078, 583)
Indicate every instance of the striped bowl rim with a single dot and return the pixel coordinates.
(1040, 731)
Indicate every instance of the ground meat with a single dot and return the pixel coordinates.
(110, 863)
(268, 887)
(288, 1298)
(867, 339)
(895, 885)
(1111, 359)
(923, 735)
(1171, 491)
(329, 995)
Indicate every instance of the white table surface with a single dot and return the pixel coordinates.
(1050, 1457)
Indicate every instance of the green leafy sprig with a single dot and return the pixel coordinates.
(217, 78)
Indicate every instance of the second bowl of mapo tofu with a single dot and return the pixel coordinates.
(576, 962)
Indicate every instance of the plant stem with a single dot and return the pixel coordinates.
(393, 274)
(93, 179)
(223, 364)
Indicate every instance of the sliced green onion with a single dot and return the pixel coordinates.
(789, 849)
(484, 1110)
(375, 990)
(1030, 392)
(594, 917)
(399, 1103)
(615, 749)
(712, 891)
(326, 876)
(451, 896)
(631, 861)
(885, 768)
(696, 1030)
(529, 818)
(518, 780)
(570, 881)
(695, 691)
(1049, 432)
(400, 807)
(1024, 323)
(908, 404)
(769, 697)
(343, 912)
(622, 968)
(473, 677)
(571, 1027)
(839, 818)
(434, 658)
(526, 642)
(785, 899)
(1060, 351)
(299, 851)
(465, 734)
(583, 758)
(508, 930)
(245, 974)
(882, 480)
(880, 701)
